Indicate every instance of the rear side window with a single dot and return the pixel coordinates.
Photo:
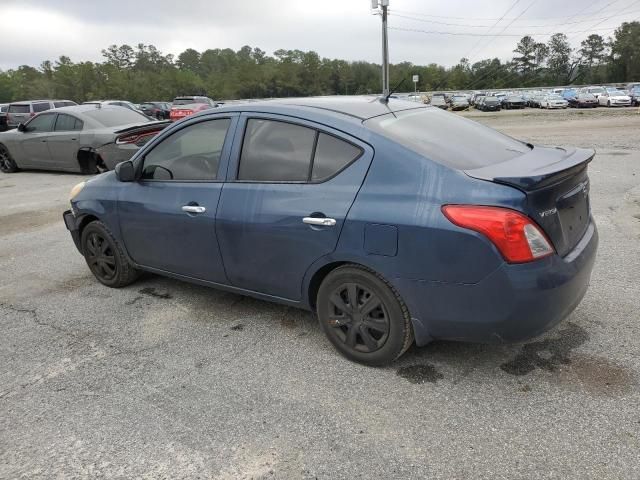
(19, 109)
(274, 151)
(448, 139)
(332, 155)
(67, 123)
(41, 123)
(41, 107)
(191, 154)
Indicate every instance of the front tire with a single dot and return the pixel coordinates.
(363, 316)
(105, 257)
(7, 164)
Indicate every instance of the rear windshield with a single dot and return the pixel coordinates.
(112, 117)
(491, 100)
(446, 138)
(19, 109)
(188, 101)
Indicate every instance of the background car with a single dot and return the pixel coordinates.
(595, 91)
(20, 112)
(76, 139)
(188, 105)
(583, 100)
(490, 104)
(439, 101)
(614, 98)
(3, 116)
(286, 201)
(159, 110)
(459, 102)
(513, 102)
(634, 94)
(553, 101)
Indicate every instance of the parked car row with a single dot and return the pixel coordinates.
(586, 97)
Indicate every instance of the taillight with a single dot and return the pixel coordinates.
(137, 138)
(515, 235)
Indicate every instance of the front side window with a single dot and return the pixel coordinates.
(274, 151)
(191, 154)
(41, 123)
(67, 123)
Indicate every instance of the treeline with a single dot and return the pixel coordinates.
(145, 73)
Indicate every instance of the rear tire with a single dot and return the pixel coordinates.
(105, 257)
(363, 316)
(7, 164)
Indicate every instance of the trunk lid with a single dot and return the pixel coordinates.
(556, 184)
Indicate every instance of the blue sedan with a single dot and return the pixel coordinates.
(394, 222)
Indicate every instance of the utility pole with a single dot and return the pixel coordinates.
(384, 4)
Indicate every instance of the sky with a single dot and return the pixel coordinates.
(347, 29)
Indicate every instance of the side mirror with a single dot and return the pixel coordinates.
(22, 128)
(125, 171)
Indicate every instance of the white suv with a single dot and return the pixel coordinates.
(20, 112)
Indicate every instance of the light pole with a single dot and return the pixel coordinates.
(384, 5)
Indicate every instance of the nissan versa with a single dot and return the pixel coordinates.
(395, 222)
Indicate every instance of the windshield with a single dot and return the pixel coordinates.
(447, 139)
(596, 90)
(112, 117)
(555, 97)
(490, 100)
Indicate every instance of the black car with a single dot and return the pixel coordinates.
(583, 100)
(490, 104)
(513, 102)
(159, 110)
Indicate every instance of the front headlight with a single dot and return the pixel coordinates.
(76, 190)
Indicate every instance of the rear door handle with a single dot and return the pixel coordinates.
(193, 209)
(320, 221)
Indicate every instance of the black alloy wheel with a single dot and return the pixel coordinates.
(358, 317)
(363, 316)
(7, 165)
(100, 257)
(105, 258)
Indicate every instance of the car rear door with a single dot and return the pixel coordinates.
(63, 142)
(289, 188)
(167, 218)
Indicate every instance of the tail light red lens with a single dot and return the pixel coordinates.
(515, 235)
(136, 138)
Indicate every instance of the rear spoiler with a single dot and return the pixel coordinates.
(539, 168)
(145, 126)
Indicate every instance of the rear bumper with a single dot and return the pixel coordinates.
(513, 304)
(71, 223)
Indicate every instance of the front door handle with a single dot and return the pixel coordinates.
(320, 221)
(193, 209)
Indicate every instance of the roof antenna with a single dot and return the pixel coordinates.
(392, 91)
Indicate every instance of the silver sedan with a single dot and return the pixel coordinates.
(84, 138)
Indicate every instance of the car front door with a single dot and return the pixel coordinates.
(290, 186)
(64, 142)
(33, 142)
(167, 217)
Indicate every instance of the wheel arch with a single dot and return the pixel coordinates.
(88, 160)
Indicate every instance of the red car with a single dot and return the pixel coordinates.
(185, 106)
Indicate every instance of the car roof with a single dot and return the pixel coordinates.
(352, 106)
(87, 107)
